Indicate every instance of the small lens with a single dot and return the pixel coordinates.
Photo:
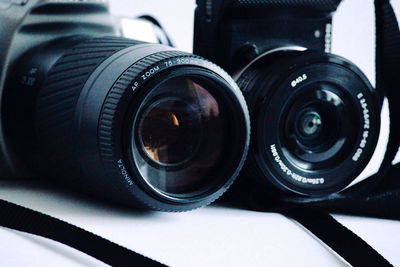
(315, 120)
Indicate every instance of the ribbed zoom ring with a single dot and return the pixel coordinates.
(57, 99)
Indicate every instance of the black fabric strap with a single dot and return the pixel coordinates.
(319, 5)
(339, 238)
(26, 220)
(387, 82)
(155, 22)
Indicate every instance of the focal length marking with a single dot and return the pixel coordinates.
(292, 174)
(167, 64)
(367, 122)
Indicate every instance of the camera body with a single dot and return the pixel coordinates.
(234, 33)
(315, 116)
(139, 124)
(26, 24)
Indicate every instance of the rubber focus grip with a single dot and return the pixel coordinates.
(58, 97)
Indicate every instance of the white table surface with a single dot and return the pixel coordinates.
(212, 236)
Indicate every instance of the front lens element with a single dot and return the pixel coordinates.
(317, 132)
(180, 135)
(310, 124)
(170, 131)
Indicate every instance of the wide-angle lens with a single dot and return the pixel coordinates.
(315, 121)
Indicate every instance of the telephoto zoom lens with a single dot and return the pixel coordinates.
(140, 124)
(315, 121)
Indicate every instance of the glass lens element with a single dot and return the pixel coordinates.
(317, 130)
(310, 124)
(180, 136)
(171, 131)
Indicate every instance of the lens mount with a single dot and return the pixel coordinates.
(315, 121)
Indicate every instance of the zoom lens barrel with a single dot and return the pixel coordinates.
(315, 121)
(140, 124)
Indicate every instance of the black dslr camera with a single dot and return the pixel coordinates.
(315, 116)
(137, 123)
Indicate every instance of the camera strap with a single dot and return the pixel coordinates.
(22, 219)
(377, 196)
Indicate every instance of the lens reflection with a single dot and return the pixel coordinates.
(310, 124)
(171, 131)
(180, 136)
(318, 127)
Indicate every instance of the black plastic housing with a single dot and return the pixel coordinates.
(273, 48)
(26, 24)
(268, 98)
(233, 32)
(75, 108)
(71, 89)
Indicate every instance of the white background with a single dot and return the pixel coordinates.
(213, 236)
